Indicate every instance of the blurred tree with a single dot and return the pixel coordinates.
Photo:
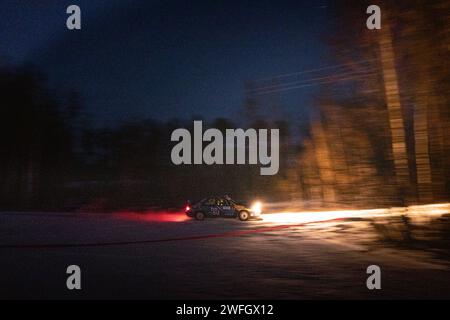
(35, 142)
(392, 88)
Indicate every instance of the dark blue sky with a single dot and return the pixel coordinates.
(166, 59)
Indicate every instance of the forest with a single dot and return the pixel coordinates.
(378, 136)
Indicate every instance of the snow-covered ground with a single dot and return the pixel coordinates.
(166, 255)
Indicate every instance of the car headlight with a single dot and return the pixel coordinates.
(256, 207)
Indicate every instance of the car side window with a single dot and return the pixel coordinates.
(221, 202)
(210, 202)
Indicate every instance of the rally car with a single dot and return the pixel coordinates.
(222, 207)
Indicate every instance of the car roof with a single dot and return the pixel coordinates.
(214, 197)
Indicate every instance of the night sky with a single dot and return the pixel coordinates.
(166, 59)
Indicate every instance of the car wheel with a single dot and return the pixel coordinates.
(199, 216)
(244, 215)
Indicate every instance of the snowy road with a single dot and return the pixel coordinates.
(166, 256)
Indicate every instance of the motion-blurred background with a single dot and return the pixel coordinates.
(86, 116)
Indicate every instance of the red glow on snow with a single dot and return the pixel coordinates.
(153, 216)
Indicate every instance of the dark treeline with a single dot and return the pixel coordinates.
(130, 167)
(53, 160)
(36, 142)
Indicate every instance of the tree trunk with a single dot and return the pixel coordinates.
(395, 111)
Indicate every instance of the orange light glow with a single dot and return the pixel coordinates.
(320, 216)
